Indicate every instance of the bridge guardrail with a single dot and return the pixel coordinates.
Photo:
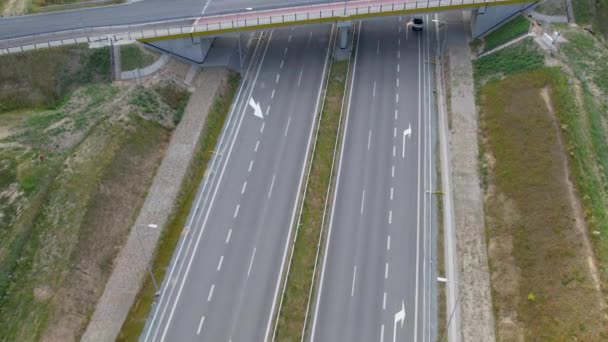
(248, 20)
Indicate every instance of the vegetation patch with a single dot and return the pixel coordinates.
(520, 57)
(542, 285)
(136, 319)
(592, 13)
(552, 7)
(511, 30)
(46, 77)
(133, 56)
(299, 281)
(73, 176)
(586, 130)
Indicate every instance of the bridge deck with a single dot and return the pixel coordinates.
(241, 21)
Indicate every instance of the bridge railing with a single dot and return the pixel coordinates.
(246, 20)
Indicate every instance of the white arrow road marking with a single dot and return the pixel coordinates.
(399, 317)
(408, 133)
(257, 110)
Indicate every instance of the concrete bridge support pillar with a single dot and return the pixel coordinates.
(343, 27)
(485, 19)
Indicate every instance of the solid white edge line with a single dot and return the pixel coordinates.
(328, 238)
(418, 203)
(352, 289)
(293, 217)
(425, 58)
(213, 197)
(225, 133)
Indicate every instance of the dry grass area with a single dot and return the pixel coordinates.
(63, 219)
(543, 286)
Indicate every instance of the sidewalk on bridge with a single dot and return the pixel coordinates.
(130, 267)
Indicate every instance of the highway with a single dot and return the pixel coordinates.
(374, 283)
(223, 281)
(138, 12)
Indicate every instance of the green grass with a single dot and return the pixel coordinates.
(138, 313)
(593, 13)
(511, 30)
(45, 78)
(587, 136)
(293, 311)
(552, 7)
(134, 57)
(588, 57)
(520, 57)
(583, 11)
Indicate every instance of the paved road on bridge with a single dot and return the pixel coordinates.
(224, 280)
(138, 12)
(373, 282)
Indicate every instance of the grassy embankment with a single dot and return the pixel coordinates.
(63, 219)
(511, 30)
(291, 317)
(134, 323)
(534, 136)
(133, 57)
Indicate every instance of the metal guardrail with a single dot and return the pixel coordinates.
(247, 20)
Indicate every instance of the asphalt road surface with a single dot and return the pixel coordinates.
(375, 275)
(223, 282)
(138, 12)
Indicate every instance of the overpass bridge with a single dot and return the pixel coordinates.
(244, 19)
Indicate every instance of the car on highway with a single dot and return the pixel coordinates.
(417, 23)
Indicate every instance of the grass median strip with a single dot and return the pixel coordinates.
(138, 314)
(293, 312)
